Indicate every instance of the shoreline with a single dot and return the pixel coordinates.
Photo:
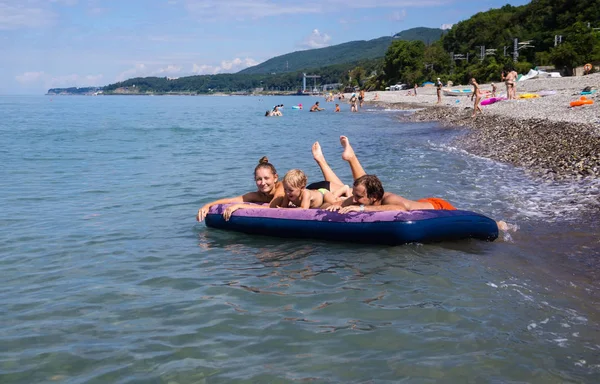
(545, 136)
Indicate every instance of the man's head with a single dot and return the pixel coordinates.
(367, 190)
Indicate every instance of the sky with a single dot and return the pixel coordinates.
(77, 43)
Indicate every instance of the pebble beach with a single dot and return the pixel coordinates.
(545, 135)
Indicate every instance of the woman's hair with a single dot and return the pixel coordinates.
(295, 178)
(264, 163)
(372, 185)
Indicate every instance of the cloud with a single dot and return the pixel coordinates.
(446, 26)
(398, 15)
(247, 9)
(74, 80)
(169, 69)
(140, 70)
(16, 15)
(65, 2)
(29, 77)
(232, 66)
(49, 81)
(257, 9)
(315, 40)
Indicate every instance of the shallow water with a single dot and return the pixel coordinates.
(106, 277)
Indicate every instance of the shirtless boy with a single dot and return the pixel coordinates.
(297, 195)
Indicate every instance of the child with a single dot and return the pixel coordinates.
(296, 194)
(337, 107)
(477, 95)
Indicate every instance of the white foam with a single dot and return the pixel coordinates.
(524, 195)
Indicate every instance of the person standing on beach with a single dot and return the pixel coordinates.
(509, 79)
(515, 77)
(361, 97)
(416, 86)
(493, 90)
(438, 86)
(477, 95)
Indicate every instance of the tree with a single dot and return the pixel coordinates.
(403, 61)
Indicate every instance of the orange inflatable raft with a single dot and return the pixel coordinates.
(582, 101)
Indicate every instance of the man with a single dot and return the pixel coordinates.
(368, 196)
(316, 108)
(438, 86)
(367, 192)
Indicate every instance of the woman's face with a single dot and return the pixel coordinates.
(265, 180)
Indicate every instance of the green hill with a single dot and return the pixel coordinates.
(350, 52)
(426, 35)
(321, 57)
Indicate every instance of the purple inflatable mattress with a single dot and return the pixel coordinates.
(386, 227)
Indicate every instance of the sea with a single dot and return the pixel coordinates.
(106, 277)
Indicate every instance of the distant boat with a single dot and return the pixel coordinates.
(457, 92)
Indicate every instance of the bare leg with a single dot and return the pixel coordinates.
(328, 173)
(345, 191)
(350, 157)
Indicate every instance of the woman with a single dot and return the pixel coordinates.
(270, 190)
(477, 95)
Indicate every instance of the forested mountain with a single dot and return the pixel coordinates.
(574, 24)
(321, 57)
(235, 82)
(426, 35)
(352, 51)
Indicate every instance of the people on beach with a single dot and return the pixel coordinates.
(510, 79)
(361, 97)
(353, 103)
(316, 108)
(477, 95)
(376, 97)
(493, 90)
(270, 190)
(438, 86)
(416, 86)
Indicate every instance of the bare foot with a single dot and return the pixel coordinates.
(348, 153)
(502, 225)
(317, 152)
(347, 191)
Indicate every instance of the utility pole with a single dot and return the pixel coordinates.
(515, 50)
(557, 39)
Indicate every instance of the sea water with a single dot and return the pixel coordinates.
(105, 276)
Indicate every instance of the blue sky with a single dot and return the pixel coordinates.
(63, 43)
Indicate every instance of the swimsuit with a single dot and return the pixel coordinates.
(320, 185)
(323, 191)
(438, 203)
